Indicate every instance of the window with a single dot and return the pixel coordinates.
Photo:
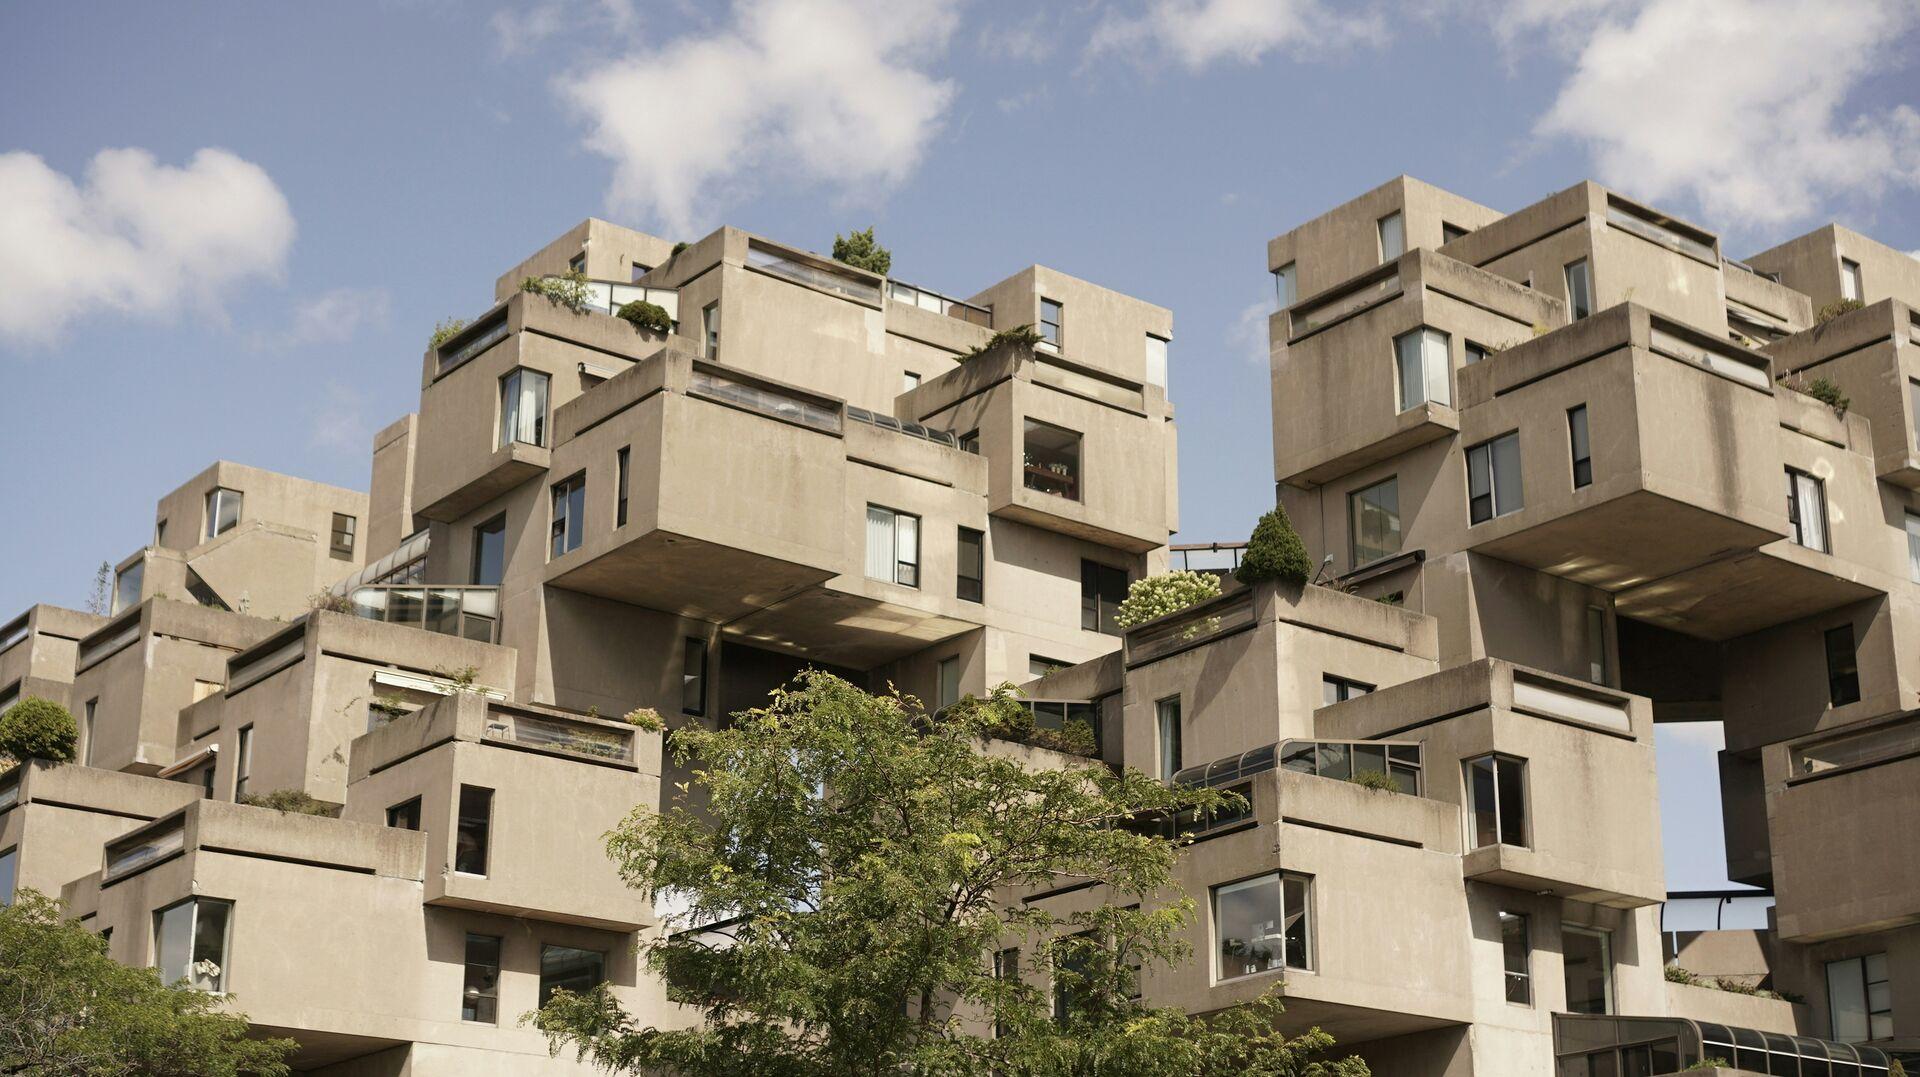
(710, 322)
(971, 565)
(1050, 311)
(343, 535)
(574, 969)
(1102, 589)
(475, 824)
(523, 408)
(1261, 925)
(223, 510)
(1340, 689)
(86, 760)
(1913, 406)
(909, 381)
(9, 874)
(1039, 665)
(620, 503)
(569, 515)
(489, 553)
(405, 816)
(578, 263)
(1285, 287)
(126, 585)
(1913, 547)
(1517, 951)
(190, 943)
(1860, 999)
(693, 677)
(1581, 446)
(1072, 962)
(1006, 969)
(480, 993)
(1425, 369)
(1168, 713)
(1156, 360)
(1493, 478)
(970, 441)
(1393, 236)
(160, 533)
(893, 546)
(1373, 522)
(1475, 353)
(1850, 280)
(1596, 644)
(1450, 232)
(243, 761)
(949, 681)
(1843, 667)
(1497, 800)
(1807, 510)
(1579, 289)
(1587, 956)
(1052, 460)
(638, 272)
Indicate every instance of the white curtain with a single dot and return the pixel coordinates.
(879, 543)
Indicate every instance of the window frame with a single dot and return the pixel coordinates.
(1167, 724)
(567, 529)
(1307, 919)
(495, 526)
(546, 990)
(10, 876)
(1157, 359)
(1399, 219)
(1867, 983)
(1599, 649)
(1342, 688)
(1797, 483)
(1077, 458)
(516, 396)
(710, 330)
(1580, 445)
(1487, 451)
(1094, 576)
(965, 538)
(1471, 799)
(621, 463)
(946, 674)
(409, 808)
(902, 572)
(1843, 684)
(1057, 325)
(492, 995)
(1853, 284)
(1609, 998)
(1355, 500)
(216, 505)
(1432, 343)
(242, 761)
(464, 825)
(1581, 305)
(1913, 545)
(693, 685)
(1521, 978)
(1286, 284)
(223, 964)
(336, 548)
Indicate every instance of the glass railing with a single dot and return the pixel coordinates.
(766, 400)
(1215, 557)
(912, 430)
(610, 296)
(146, 848)
(1628, 220)
(812, 275)
(468, 612)
(1349, 761)
(939, 304)
(539, 731)
(1324, 312)
(489, 332)
(1191, 628)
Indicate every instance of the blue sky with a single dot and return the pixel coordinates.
(310, 188)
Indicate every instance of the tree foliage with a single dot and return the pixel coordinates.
(858, 249)
(1275, 552)
(1170, 592)
(68, 1008)
(854, 861)
(36, 728)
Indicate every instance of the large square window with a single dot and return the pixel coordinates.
(1860, 999)
(1424, 359)
(569, 527)
(190, 943)
(1262, 924)
(1373, 517)
(523, 408)
(1051, 460)
(1102, 589)
(570, 968)
(1807, 510)
(223, 511)
(1493, 479)
(1497, 800)
(893, 546)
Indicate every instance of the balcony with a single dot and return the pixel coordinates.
(57, 818)
(1873, 356)
(467, 612)
(921, 298)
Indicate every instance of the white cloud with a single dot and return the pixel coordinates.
(340, 423)
(1741, 106)
(137, 237)
(1693, 736)
(833, 92)
(517, 30)
(333, 317)
(1196, 33)
(1248, 333)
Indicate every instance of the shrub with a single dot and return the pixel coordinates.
(859, 250)
(1678, 975)
(1020, 336)
(294, 801)
(1374, 780)
(1157, 596)
(678, 247)
(1275, 552)
(1829, 394)
(445, 331)
(1003, 715)
(332, 603)
(645, 718)
(571, 290)
(1711, 1062)
(36, 728)
(1837, 308)
(645, 315)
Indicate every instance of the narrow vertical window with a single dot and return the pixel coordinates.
(1843, 667)
(971, 565)
(489, 553)
(93, 705)
(1156, 360)
(1597, 645)
(1006, 969)
(480, 992)
(223, 511)
(1913, 547)
(474, 830)
(1517, 952)
(1579, 289)
(1581, 446)
(243, 762)
(344, 528)
(1373, 522)
(693, 677)
(1807, 510)
(1284, 286)
(620, 504)
(523, 407)
(893, 546)
(1168, 713)
(1426, 370)
(948, 676)
(1050, 317)
(1493, 478)
(1587, 959)
(569, 515)
(1102, 589)
(1850, 285)
(710, 322)
(9, 874)
(1393, 236)
(1497, 800)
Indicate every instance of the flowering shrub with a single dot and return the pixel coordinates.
(1157, 596)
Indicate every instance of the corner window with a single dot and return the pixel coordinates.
(1582, 446)
(1340, 689)
(1473, 353)
(569, 515)
(570, 968)
(480, 992)
(909, 381)
(523, 408)
(1156, 360)
(1285, 288)
(1807, 510)
(1450, 232)
(1587, 957)
(620, 472)
(1493, 478)
(970, 583)
(1497, 800)
(1426, 372)
(1050, 316)
(344, 528)
(1102, 589)
(1051, 460)
(710, 324)
(1516, 949)
(893, 546)
(1860, 999)
(405, 816)
(489, 553)
(639, 271)
(1843, 667)
(1262, 924)
(1167, 713)
(1579, 289)
(223, 511)
(693, 677)
(1850, 280)
(126, 585)
(1373, 522)
(1393, 236)
(474, 830)
(190, 943)
(243, 762)
(948, 678)
(1039, 665)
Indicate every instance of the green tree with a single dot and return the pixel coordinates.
(858, 249)
(864, 855)
(68, 1008)
(1169, 592)
(1275, 552)
(36, 728)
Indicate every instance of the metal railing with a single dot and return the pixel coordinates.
(912, 430)
(766, 400)
(792, 267)
(467, 612)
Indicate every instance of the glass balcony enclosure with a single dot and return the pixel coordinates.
(1594, 1045)
(546, 731)
(468, 612)
(913, 296)
(1398, 762)
(822, 275)
(768, 400)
